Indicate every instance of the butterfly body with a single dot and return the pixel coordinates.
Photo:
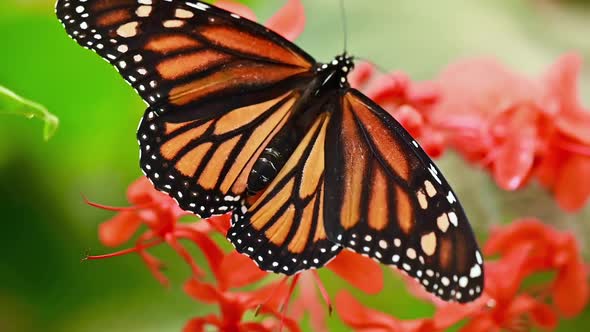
(241, 120)
(331, 78)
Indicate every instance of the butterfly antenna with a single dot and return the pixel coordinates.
(344, 25)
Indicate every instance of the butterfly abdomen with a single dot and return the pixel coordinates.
(267, 167)
(277, 152)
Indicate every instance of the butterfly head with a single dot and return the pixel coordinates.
(336, 71)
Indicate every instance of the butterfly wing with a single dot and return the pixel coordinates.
(218, 88)
(163, 47)
(283, 230)
(385, 198)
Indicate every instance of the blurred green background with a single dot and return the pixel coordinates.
(46, 227)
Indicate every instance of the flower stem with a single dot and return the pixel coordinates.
(125, 251)
(323, 291)
(115, 208)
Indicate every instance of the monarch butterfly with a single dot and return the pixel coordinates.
(237, 112)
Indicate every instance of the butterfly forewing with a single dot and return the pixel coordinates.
(386, 199)
(219, 87)
(163, 48)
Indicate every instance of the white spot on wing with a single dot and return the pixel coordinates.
(143, 11)
(475, 271)
(463, 282)
(430, 190)
(128, 29)
(451, 197)
(434, 173)
(173, 23)
(453, 218)
(183, 13)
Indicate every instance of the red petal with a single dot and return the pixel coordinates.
(390, 88)
(278, 323)
(562, 82)
(549, 167)
(254, 327)
(237, 8)
(572, 189)
(199, 324)
(571, 290)
(515, 158)
(220, 223)
(510, 238)
(504, 277)
(202, 291)
(575, 124)
(355, 315)
(424, 93)
(544, 316)
(118, 229)
(540, 312)
(450, 313)
(481, 86)
(270, 296)
(289, 21)
(361, 74)
(433, 142)
(310, 301)
(210, 249)
(237, 270)
(410, 119)
(480, 324)
(361, 272)
(141, 191)
(418, 325)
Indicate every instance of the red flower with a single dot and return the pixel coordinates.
(233, 271)
(550, 250)
(517, 127)
(525, 247)
(363, 319)
(568, 152)
(493, 115)
(501, 307)
(160, 214)
(361, 272)
(506, 308)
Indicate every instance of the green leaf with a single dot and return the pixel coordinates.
(11, 103)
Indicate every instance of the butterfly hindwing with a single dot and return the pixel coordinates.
(386, 199)
(204, 164)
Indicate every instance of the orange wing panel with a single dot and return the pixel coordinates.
(246, 43)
